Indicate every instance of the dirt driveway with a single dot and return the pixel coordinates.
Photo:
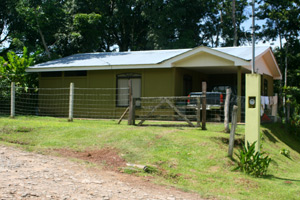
(26, 175)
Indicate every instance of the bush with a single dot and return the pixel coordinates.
(293, 98)
(252, 162)
(285, 152)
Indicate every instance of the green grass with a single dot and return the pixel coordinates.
(188, 158)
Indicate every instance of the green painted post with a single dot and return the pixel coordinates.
(252, 126)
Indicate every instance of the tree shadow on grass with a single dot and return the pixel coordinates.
(166, 125)
(270, 177)
(281, 133)
(270, 136)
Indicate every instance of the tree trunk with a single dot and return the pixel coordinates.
(286, 62)
(42, 35)
(234, 24)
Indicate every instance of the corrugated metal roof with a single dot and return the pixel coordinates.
(243, 52)
(138, 57)
(113, 58)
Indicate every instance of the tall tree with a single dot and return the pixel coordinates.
(176, 24)
(283, 23)
(9, 22)
(233, 15)
(235, 36)
(40, 21)
(211, 25)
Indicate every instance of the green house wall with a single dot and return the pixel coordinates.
(154, 83)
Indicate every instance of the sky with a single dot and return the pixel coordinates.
(248, 24)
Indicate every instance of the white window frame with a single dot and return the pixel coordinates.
(123, 92)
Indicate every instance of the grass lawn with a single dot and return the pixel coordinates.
(190, 159)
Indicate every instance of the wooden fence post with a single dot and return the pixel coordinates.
(133, 110)
(232, 132)
(71, 102)
(130, 122)
(204, 105)
(226, 110)
(12, 100)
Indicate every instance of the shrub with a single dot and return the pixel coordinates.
(293, 98)
(252, 162)
(285, 152)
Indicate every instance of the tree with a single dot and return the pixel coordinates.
(211, 25)
(233, 15)
(9, 21)
(13, 69)
(176, 24)
(282, 22)
(39, 22)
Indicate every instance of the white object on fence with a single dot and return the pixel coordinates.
(71, 102)
(204, 87)
(12, 100)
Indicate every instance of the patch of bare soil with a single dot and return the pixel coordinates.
(25, 175)
(107, 156)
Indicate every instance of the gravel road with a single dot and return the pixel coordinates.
(25, 175)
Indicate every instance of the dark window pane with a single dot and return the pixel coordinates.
(265, 87)
(51, 74)
(187, 84)
(75, 73)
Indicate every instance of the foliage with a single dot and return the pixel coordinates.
(282, 23)
(293, 98)
(61, 28)
(285, 152)
(8, 21)
(228, 23)
(252, 162)
(39, 22)
(13, 69)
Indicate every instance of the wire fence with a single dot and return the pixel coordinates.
(88, 102)
(111, 103)
(5, 100)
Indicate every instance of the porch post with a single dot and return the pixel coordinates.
(239, 93)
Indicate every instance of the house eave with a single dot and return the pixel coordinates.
(107, 67)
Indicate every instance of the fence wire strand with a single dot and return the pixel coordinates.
(109, 103)
(54, 102)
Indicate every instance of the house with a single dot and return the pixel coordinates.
(161, 72)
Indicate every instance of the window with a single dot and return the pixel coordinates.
(51, 74)
(122, 88)
(187, 84)
(265, 87)
(75, 73)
